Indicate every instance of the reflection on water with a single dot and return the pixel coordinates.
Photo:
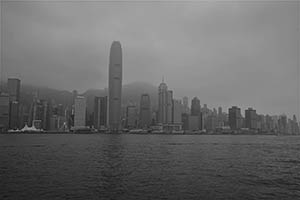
(149, 167)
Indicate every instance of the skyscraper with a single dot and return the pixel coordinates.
(79, 112)
(185, 102)
(165, 104)
(195, 120)
(13, 86)
(14, 115)
(100, 112)
(162, 102)
(145, 111)
(235, 118)
(131, 116)
(170, 106)
(4, 111)
(250, 118)
(115, 86)
(282, 124)
(195, 107)
(177, 111)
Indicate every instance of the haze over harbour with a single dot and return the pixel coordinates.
(150, 100)
(226, 53)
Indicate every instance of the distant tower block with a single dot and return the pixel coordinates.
(115, 86)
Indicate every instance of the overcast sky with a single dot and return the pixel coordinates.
(226, 53)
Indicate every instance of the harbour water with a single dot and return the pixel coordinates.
(128, 166)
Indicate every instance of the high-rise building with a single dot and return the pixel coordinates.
(185, 102)
(295, 126)
(115, 86)
(177, 111)
(235, 118)
(220, 111)
(39, 112)
(164, 104)
(212, 122)
(220, 118)
(131, 116)
(250, 119)
(195, 107)
(14, 115)
(145, 111)
(170, 106)
(13, 86)
(100, 112)
(4, 111)
(194, 122)
(282, 124)
(79, 112)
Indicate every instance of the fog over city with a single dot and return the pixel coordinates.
(226, 53)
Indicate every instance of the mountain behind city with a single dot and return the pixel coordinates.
(131, 93)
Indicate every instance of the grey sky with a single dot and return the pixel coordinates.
(225, 53)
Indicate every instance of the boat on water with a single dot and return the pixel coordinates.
(177, 131)
(138, 131)
(157, 132)
(26, 129)
(82, 129)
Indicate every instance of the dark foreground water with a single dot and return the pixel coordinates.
(149, 167)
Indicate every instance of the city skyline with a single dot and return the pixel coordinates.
(247, 70)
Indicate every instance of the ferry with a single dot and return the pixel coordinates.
(138, 131)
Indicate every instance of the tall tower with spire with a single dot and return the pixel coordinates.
(165, 102)
(115, 86)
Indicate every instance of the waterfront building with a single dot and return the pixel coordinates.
(220, 111)
(24, 115)
(80, 112)
(177, 111)
(165, 98)
(295, 126)
(169, 107)
(251, 119)
(100, 112)
(4, 111)
(131, 117)
(282, 124)
(212, 122)
(13, 87)
(185, 121)
(261, 123)
(194, 122)
(37, 124)
(145, 111)
(14, 115)
(221, 122)
(235, 118)
(185, 102)
(195, 107)
(270, 125)
(58, 123)
(115, 86)
(39, 111)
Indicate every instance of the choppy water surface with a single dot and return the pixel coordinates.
(149, 167)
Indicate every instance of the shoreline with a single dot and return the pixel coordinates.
(126, 133)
